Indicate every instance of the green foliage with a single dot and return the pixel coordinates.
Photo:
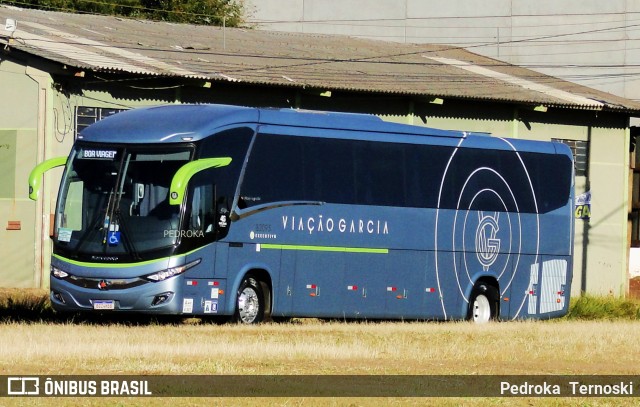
(589, 307)
(25, 305)
(205, 12)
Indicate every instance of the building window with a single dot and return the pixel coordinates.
(86, 116)
(580, 150)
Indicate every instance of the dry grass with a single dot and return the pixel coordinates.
(322, 348)
(313, 347)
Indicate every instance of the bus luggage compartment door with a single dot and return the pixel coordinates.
(405, 285)
(317, 281)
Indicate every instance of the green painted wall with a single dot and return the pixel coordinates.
(18, 141)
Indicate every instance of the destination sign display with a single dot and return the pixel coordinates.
(98, 154)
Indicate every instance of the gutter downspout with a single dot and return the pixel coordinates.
(514, 123)
(626, 198)
(42, 224)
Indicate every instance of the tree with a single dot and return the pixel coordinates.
(204, 12)
(207, 12)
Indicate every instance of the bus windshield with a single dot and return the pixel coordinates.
(114, 202)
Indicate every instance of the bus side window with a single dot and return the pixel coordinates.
(72, 217)
(202, 214)
(275, 171)
(206, 218)
(232, 143)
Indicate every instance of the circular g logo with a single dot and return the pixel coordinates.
(487, 245)
(486, 202)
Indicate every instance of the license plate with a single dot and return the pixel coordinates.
(104, 304)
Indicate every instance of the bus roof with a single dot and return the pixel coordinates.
(173, 123)
(179, 123)
(167, 124)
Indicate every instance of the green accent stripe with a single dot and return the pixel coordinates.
(122, 265)
(324, 248)
(262, 246)
(108, 265)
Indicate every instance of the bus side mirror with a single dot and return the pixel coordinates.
(35, 177)
(183, 175)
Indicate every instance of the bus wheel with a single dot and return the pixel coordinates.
(483, 306)
(249, 302)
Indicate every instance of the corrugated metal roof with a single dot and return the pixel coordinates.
(111, 44)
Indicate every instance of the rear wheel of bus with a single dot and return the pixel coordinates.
(483, 304)
(250, 303)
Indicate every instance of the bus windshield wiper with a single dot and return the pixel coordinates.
(117, 217)
(126, 236)
(94, 227)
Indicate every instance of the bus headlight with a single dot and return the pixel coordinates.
(170, 272)
(57, 273)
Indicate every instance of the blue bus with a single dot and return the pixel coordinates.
(265, 213)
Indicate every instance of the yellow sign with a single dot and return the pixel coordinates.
(583, 211)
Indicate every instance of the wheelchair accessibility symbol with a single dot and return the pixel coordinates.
(113, 238)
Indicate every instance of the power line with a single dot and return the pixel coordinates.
(379, 59)
(383, 23)
(438, 18)
(204, 66)
(529, 41)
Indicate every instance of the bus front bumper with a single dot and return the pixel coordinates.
(150, 297)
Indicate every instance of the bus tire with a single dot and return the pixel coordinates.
(483, 304)
(249, 302)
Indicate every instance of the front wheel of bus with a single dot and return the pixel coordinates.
(249, 302)
(483, 305)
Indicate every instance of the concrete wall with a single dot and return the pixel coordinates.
(18, 139)
(591, 42)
